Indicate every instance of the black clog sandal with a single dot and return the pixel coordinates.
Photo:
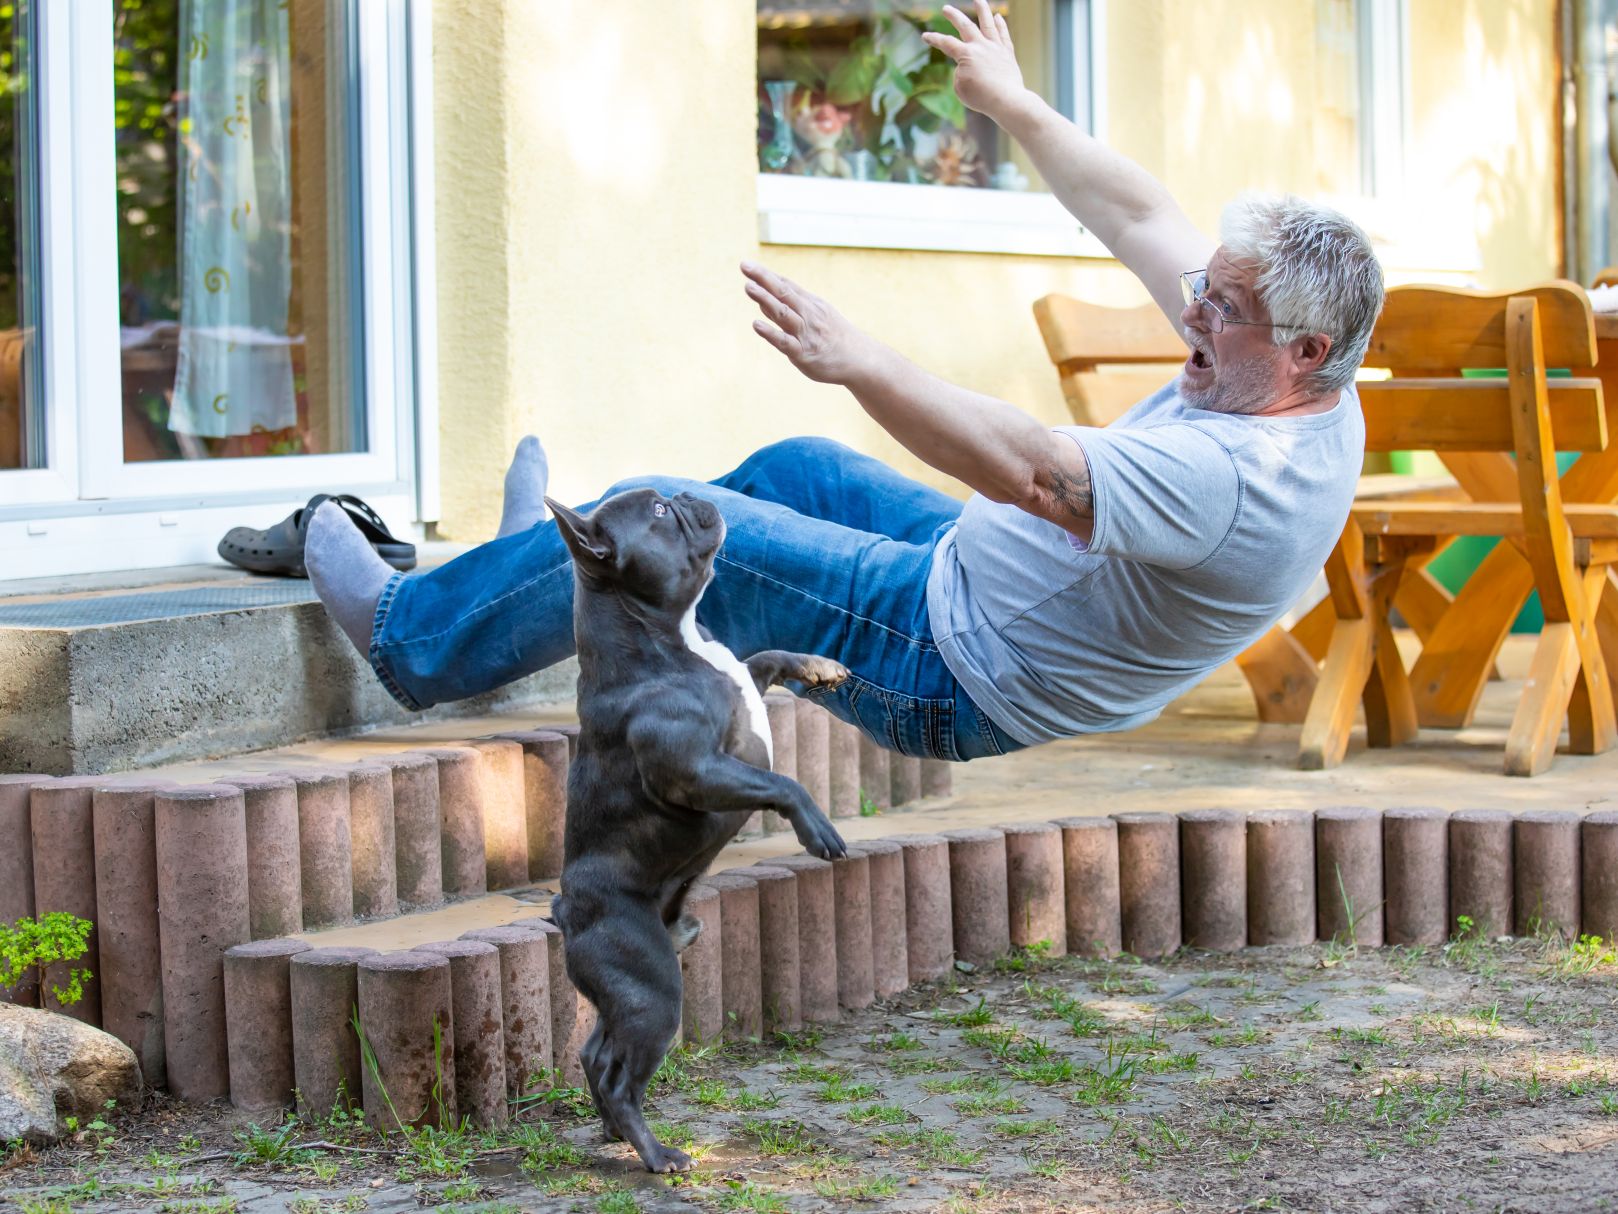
(279, 549)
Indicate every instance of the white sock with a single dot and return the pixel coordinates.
(346, 572)
(525, 488)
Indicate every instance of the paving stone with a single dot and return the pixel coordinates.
(1281, 877)
(125, 822)
(1348, 875)
(407, 1013)
(1036, 900)
(979, 902)
(1546, 873)
(258, 1022)
(1213, 879)
(1480, 871)
(202, 911)
(274, 866)
(480, 1043)
(1090, 886)
(1149, 882)
(1415, 858)
(325, 1049)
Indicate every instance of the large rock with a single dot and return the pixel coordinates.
(53, 1067)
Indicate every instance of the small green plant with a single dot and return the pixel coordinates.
(260, 1146)
(749, 1196)
(868, 807)
(970, 1018)
(877, 1114)
(784, 1137)
(548, 1088)
(56, 937)
(1609, 1104)
(620, 1201)
(865, 1188)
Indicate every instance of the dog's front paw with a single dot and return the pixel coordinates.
(667, 1159)
(822, 672)
(820, 838)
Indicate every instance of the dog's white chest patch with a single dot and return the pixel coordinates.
(729, 665)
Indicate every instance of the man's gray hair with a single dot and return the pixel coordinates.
(1316, 274)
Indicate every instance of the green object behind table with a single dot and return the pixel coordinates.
(1457, 562)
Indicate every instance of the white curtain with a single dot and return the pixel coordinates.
(235, 365)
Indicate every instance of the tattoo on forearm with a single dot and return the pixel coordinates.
(1072, 491)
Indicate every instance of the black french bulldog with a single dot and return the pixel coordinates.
(674, 754)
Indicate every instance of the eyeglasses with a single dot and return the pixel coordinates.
(1194, 287)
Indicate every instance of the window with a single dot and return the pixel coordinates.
(21, 433)
(236, 215)
(1359, 97)
(209, 254)
(862, 140)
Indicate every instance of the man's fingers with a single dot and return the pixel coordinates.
(774, 309)
(962, 23)
(953, 47)
(1005, 30)
(787, 345)
(986, 20)
(778, 285)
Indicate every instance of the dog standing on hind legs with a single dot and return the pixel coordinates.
(674, 755)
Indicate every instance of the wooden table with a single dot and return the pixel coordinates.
(1447, 679)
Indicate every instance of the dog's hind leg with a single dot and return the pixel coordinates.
(624, 963)
(590, 1062)
(634, 1060)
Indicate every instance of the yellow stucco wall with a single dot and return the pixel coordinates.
(596, 189)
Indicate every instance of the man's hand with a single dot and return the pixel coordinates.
(815, 336)
(987, 77)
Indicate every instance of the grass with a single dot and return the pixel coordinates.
(935, 1146)
(970, 1018)
(978, 1106)
(749, 1196)
(620, 1201)
(711, 1093)
(839, 1090)
(783, 1137)
(863, 1188)
(1005, 1127)
(877, 1114)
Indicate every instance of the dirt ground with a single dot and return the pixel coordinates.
(1479, 1076)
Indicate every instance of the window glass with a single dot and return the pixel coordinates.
(22, 437)
(848, 89)
(236, 230)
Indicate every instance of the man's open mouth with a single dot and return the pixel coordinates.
(1200, 358)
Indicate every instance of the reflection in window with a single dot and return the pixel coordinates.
(235, 234)
(848, 89)
(22, 440)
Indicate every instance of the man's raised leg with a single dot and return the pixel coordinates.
(824, 479)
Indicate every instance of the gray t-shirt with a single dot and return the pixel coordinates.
(1208, 527)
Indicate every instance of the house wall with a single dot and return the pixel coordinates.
(596, 178)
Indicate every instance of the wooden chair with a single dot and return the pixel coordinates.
(1426, 336)
(1108, 359)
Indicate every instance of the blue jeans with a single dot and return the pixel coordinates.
(826, 551)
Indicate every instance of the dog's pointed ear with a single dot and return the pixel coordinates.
(581, 535)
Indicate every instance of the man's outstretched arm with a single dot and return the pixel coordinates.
(989, 445)
(1127, 208)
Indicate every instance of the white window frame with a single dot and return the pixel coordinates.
(889, 215)
(1383, 35)
(173, 511)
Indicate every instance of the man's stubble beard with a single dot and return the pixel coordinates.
(1244, 386)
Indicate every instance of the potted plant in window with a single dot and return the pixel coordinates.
(898, 96)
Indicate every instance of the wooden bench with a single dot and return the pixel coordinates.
(1500, 438)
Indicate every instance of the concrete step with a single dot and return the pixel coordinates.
(114, 672)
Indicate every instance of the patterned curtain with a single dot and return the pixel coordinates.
(235, 366)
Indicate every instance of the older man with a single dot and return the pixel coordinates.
(1094, 574)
